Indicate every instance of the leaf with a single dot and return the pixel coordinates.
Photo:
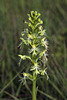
(52, 98)
(15, 98)
(57, 89)
(10, 82)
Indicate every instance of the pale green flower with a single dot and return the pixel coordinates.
(33, 50)
(36, 67)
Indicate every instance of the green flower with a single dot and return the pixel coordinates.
(44, 43)
(36, 67)
(43, 72)
(33, 50)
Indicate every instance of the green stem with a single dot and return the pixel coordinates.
(34, 87)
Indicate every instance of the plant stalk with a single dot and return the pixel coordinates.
(34, 87)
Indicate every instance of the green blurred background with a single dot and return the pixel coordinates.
(12, 16)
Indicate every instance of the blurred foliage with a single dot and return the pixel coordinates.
(12, 16)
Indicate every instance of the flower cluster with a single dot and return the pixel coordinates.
(35, 38)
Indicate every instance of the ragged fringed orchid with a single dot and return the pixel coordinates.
(34, 36)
